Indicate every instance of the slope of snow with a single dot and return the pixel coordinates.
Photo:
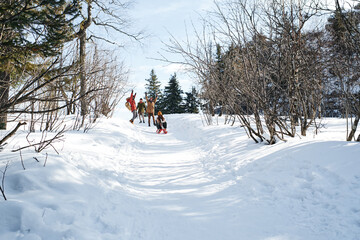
(123, 181)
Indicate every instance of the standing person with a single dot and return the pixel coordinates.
(150, 109)
(131, 100)
(141, 109)
(161, 123)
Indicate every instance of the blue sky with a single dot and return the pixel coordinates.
(158, 18)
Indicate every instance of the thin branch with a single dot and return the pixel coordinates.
(44, 143)
(106, 40)
(2, 187)
(12, 132)
(46, 159)
(22, 161)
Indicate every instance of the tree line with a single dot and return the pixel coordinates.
(279, 67)
(171, 99)
(51, 63)
(54, 76)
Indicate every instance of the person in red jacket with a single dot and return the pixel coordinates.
(132, 102)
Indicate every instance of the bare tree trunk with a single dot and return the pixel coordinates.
(82, 75)
(82, 38)
(32, 117)
(4, 97)
(353, 128)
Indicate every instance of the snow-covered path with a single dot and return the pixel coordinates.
(125, 182)
(176, 192)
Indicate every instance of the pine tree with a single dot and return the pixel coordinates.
(191, 102)
(153, 85)
(171, 101)
(49, 23)
(31, 29)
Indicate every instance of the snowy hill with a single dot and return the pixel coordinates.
(123, 181)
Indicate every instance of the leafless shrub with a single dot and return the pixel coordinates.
(255, 60)
(106, 78)
(44, 141)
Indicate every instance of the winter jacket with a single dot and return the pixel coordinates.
(150, 105)
(160, 119)
(131, 100)
(141, 107)
(161, 122)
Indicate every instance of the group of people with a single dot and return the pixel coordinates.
(140, 108)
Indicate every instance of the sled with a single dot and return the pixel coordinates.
(161, 130)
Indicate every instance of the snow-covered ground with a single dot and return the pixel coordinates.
(121, 181)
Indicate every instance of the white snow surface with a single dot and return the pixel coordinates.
(125, 182)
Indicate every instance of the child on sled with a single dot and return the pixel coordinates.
(161, 123)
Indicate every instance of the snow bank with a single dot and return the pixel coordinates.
(123, 181)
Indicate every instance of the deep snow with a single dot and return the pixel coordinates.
(121, 181)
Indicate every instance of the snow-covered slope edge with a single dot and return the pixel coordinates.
(122, 181)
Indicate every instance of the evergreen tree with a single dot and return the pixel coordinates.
(171, 101)
(31, 29)
(153, 85)
(35, 27)
(191, 102)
